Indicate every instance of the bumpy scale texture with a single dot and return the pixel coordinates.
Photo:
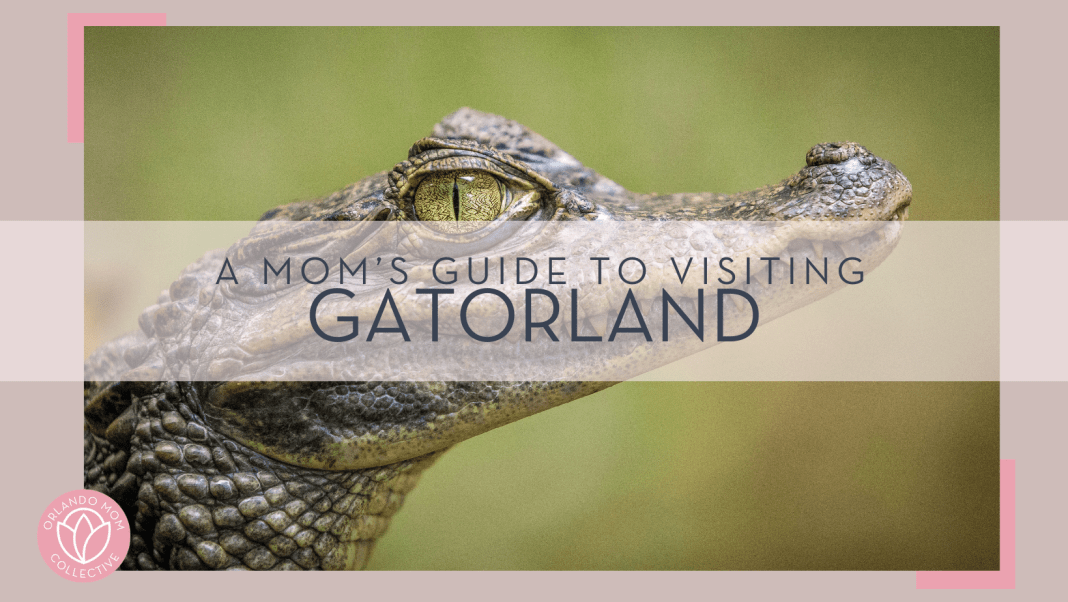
(182, 459)
(206, 502)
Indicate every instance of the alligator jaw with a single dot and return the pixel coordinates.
(444, 405)
(237, 452)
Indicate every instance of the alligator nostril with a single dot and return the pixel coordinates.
(835, 152)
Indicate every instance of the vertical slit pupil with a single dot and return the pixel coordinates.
(455, 200)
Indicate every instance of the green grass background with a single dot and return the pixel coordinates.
(221, 123)
(224, 123)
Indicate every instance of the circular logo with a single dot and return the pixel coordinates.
(83, 535)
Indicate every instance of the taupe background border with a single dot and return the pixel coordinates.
(45, 183)
(35, 67)
(1032, 419)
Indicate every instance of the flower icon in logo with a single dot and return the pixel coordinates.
(83, 535)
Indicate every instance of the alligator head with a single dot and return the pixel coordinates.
(239, 435)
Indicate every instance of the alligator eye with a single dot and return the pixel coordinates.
(463, 196)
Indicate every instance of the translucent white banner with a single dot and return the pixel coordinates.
(566, 301)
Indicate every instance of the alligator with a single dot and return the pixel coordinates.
(244, 472)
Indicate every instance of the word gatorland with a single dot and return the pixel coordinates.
(631, 271)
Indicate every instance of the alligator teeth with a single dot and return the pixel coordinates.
(599, 324)
(587, 326)
(757, 279)
(817, 246)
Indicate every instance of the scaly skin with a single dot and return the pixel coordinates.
(221, 474)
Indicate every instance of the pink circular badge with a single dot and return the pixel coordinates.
(83, 535)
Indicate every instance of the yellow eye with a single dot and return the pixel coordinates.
(464, 196)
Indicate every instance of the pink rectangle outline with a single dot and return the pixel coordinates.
(1005, 578)
(1002, 579)
(76, 23)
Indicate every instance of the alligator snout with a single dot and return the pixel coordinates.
(837, 152)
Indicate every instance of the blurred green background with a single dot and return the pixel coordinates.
(224, 123)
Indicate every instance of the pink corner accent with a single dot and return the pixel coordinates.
(76, 23)
(1006, 577)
